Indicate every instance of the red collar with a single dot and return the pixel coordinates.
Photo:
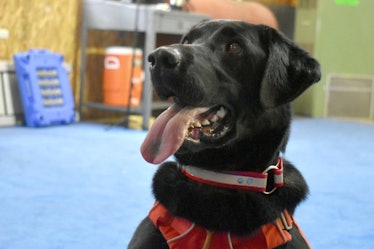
(244, 180)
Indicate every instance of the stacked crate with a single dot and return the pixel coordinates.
(10, 103)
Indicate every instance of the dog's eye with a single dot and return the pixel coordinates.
(234, 48)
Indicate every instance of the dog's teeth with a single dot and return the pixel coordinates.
(205, 122)
(221, 112)
(197, 124)
(214, 118)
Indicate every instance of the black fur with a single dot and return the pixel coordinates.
(255, 72)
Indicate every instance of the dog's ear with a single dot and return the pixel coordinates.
(289, 70)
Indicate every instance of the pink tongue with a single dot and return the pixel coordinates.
(167, 133)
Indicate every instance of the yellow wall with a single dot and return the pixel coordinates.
(44, 24)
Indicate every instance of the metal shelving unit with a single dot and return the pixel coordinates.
(117, 16)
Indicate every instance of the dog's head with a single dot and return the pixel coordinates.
(231, 83)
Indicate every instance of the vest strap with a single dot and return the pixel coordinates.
(181, 233)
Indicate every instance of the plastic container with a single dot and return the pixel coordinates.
(119, 66)
(44, 87)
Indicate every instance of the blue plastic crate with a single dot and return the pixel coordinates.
(44, 87)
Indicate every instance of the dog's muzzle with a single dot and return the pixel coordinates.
(165, 66)
(165, 57)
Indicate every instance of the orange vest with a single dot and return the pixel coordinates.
(183, 234)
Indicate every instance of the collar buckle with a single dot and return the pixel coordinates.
(278, 176)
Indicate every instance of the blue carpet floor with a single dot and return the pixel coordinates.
(82, 186)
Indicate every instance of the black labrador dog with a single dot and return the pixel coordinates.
(232, 84)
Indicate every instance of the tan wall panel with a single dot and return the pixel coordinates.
(42, 24)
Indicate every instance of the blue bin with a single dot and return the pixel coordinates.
(44, 87)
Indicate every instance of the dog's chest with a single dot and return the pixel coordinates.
(181, 233)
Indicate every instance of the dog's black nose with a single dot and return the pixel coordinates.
(165, 57)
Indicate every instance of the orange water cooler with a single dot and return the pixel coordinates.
(119, 67)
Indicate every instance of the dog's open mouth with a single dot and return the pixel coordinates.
(184, 123)
(209, 126)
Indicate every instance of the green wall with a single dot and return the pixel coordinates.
(344, 43)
